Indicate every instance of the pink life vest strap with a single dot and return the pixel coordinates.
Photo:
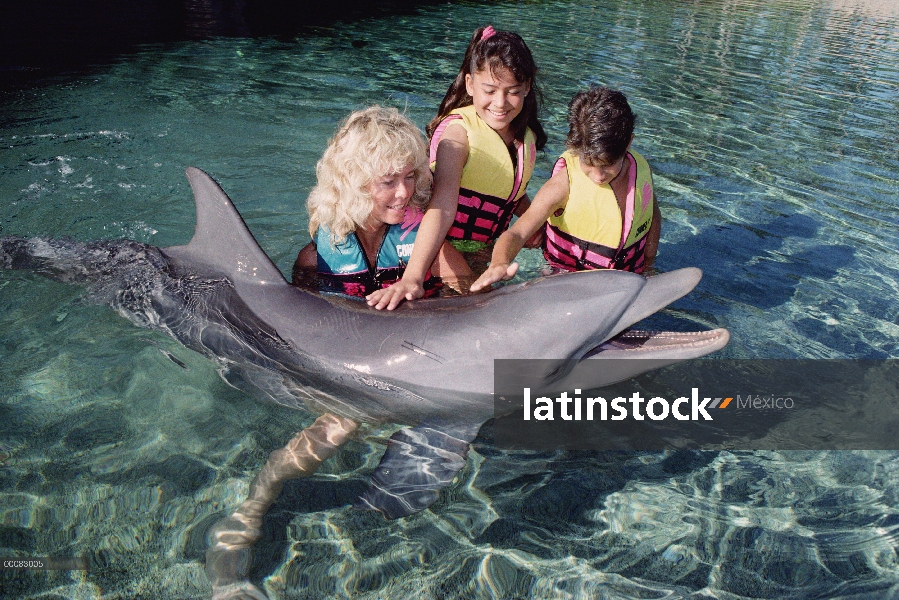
(563, 250)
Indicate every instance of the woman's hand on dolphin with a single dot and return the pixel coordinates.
(494, 273)
(393, 296)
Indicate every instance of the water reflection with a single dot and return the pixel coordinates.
(35, 44)
(885, 9)
(211, 18)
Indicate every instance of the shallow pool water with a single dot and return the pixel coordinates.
(771, 127)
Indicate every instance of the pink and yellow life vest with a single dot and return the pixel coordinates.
(492, 185)
(591, 232)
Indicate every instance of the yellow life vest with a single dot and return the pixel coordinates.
(492, 185)
(591, 232)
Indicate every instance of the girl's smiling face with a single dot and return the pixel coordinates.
(390, 194)
(498, 98)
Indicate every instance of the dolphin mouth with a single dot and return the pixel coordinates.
(633, 343)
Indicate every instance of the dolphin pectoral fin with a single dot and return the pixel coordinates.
(418, 463)
(222, 242)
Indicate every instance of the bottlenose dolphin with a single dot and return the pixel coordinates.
(428, 364)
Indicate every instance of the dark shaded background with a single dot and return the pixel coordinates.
(48, 37)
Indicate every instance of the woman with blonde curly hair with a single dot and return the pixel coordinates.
(373, 186)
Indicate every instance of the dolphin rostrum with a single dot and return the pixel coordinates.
(428, 364)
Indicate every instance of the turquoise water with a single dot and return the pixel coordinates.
(772, 129)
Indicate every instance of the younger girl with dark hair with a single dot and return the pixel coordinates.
(598, 209)
(483, 145)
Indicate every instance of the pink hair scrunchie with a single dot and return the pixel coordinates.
(488, 32)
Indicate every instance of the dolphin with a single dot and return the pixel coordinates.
(427, 365)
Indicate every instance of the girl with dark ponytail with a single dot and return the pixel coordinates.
(499, 50)
(483, 146)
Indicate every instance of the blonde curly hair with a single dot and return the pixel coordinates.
(370, 143)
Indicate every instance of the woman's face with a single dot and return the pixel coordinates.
(390, 195)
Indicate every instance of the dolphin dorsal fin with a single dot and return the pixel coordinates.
(221, 239)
